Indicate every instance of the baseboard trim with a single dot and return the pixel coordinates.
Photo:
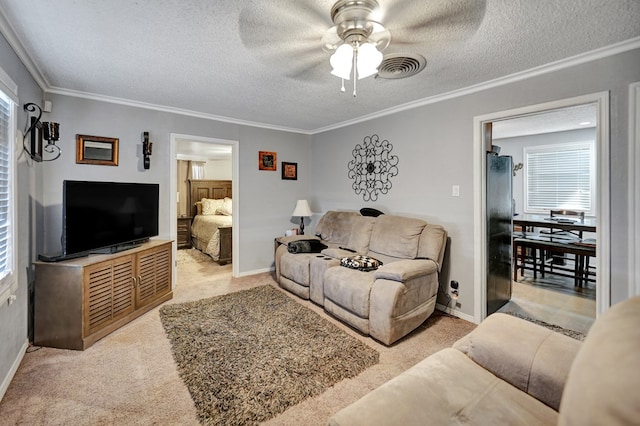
(256, 271)
(456, 313)
(14, 368)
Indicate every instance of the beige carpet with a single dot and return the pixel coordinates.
(130, 377)
(192, 256)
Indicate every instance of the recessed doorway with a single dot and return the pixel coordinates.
(223, 156)
(599, 104)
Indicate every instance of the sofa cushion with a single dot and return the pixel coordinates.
(296, 267)
(533, 358)
(447, 388)
(335, 227)
(349, 288)
(396, 236)
(433, 241)
(360, 236)
(604, 381)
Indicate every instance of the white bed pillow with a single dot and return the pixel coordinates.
(226, 207)
(210, 206)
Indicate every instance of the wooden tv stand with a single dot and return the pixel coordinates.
(79, 301)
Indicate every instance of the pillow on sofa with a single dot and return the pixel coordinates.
(361, 263)
(305, 246)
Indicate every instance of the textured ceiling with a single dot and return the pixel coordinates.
(560, 120)
(262, 62)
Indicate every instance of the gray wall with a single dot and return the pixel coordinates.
(13, 318)
(265, 199)
(515, 148)
(435, 148)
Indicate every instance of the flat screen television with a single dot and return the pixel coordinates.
(107, 216)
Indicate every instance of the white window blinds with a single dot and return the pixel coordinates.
(560, 177)
(7, 224)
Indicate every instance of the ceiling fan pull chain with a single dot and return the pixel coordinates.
(355, 65)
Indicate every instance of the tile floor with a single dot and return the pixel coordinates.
(574, 312)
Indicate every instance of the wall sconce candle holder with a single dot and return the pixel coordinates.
(38, 131)
(146, 150)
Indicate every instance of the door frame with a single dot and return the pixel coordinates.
(603, 233)
(634, 187)
(235, 194)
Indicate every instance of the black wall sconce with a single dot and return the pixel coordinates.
(146, 150)
(38, 131)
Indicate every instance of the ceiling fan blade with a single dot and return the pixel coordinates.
(285, 35)
(433, 21)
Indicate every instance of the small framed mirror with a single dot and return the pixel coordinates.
(96, 150)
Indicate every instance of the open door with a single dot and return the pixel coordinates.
(499, 227)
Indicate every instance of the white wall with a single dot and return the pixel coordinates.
(434, 143)
(515, 148)
(218, 169)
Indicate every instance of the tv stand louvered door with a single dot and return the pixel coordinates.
(78, 302)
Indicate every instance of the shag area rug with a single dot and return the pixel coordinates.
(248, 356)
(192, 256)
(571, 333)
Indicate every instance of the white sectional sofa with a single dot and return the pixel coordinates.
(509, 371)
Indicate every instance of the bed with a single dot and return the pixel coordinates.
(212, 220)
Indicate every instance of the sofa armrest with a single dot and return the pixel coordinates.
(337, 253)
(532, 358)
(405, 270)
(286, 240)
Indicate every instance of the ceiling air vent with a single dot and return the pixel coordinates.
(401, 65)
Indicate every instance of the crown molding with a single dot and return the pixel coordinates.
(9, 33)
(582, 58)
(172, 110)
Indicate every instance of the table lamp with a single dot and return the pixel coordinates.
(302, 210)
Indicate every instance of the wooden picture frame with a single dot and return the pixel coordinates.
(96, 150)
(267, 160)
(289, 171)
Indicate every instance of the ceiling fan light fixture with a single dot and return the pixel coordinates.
(368, 60)
(341, 61)
(357, 39)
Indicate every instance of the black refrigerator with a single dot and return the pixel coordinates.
(499, 229)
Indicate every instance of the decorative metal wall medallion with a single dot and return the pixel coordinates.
(372, 167)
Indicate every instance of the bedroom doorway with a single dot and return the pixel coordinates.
(601, 103)
(203, 159)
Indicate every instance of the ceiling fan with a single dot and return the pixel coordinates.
(310, 38)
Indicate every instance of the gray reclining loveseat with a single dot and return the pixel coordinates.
(386, 303)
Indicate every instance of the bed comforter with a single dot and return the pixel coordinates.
(205, 233)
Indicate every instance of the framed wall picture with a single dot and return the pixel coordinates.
(267, 160)
(96, 150)
(289, 171)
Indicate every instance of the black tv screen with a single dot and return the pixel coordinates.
(103, 216)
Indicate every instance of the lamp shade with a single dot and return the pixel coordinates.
(368, 60)
(302, 209)
(342, 61)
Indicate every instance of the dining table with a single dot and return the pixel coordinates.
(555, 235)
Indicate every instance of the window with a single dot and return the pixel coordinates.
(560, 176)
(8, 268)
